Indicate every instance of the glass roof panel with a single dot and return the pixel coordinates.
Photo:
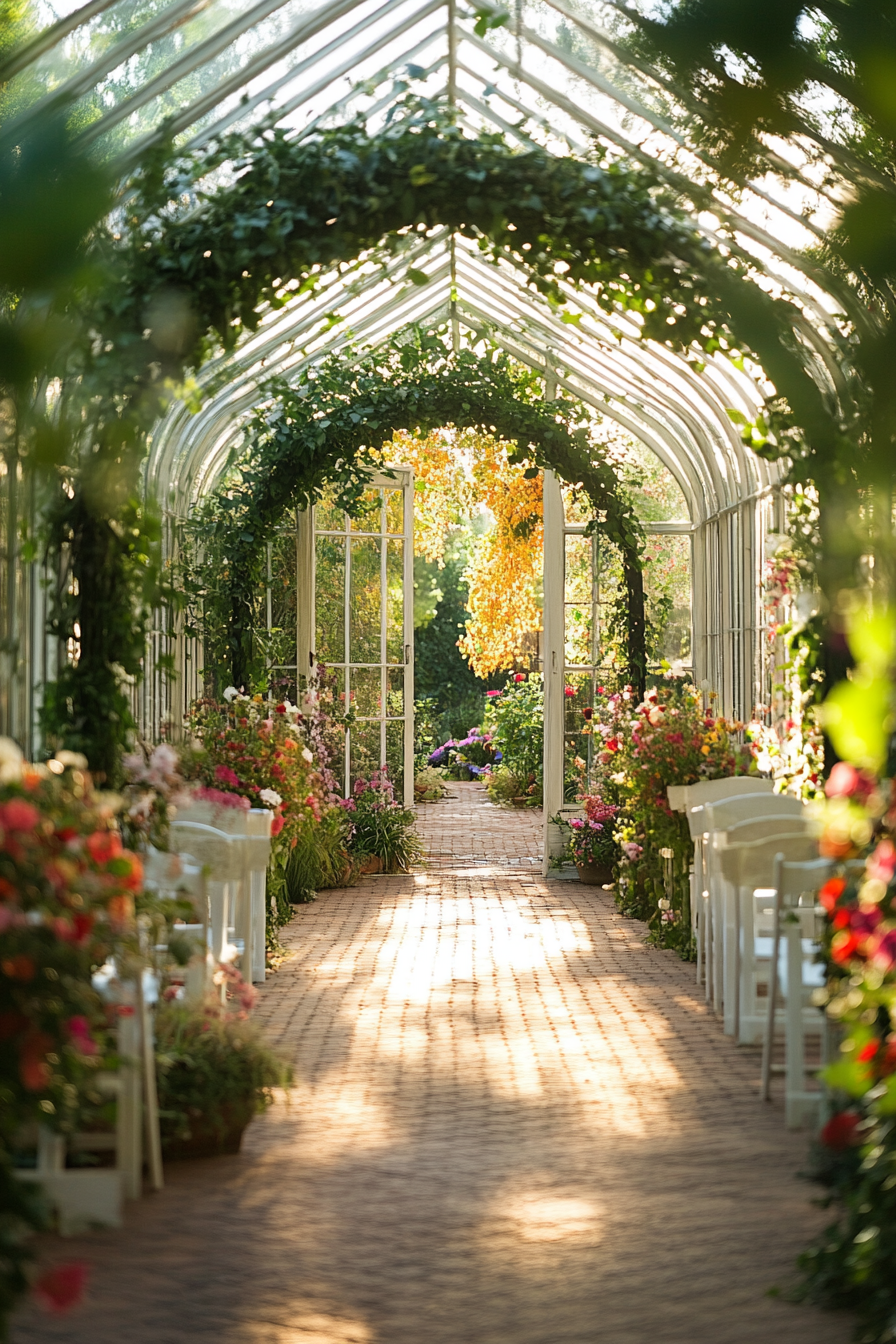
(556, 73)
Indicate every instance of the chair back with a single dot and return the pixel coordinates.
(794, 878)
(759, 828)
(206, 845)
(753, 865)
(683, 796)
(720, 816)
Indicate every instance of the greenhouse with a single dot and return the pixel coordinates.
(446, 676)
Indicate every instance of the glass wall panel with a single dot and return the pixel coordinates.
(330, 599)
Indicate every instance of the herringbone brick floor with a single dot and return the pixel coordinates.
(513, 1123)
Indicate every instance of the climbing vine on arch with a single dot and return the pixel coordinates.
(328, 430)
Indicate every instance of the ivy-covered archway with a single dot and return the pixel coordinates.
(323, 430)
(191, 263)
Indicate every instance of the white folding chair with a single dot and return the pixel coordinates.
(722, 914)
(800, 920)
(685, 798)
(219, 854)
(748, 870)
(258, 856)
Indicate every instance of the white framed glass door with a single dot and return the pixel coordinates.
(362, 625)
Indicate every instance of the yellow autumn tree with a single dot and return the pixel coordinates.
(457, 472)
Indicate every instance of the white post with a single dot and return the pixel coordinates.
(554, 699)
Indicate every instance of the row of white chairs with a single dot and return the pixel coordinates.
(757, 925)
(219, 859)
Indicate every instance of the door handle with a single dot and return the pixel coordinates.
(407, 654)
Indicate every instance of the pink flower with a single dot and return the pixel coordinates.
(224, 775)
(570, 692)
(17, 815)
(82, 1039)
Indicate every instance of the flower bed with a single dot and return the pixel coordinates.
(667, 739)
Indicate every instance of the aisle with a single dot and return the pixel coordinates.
(514, 1124)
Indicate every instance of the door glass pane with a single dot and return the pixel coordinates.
(395, 512)
(365, 750)
(364, 603)
(328, 517)
(395, 693)
(394, 601)
(579, 610)
(369, 517)
(330, 599)
(367, 699)
(395, 756)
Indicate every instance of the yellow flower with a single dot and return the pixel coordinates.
(705, 751)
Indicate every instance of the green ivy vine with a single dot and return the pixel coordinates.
(325, 429)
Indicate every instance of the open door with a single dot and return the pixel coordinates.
(355, 614)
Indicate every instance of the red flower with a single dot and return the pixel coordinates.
(281, 709)
(62, 1287)
(277, 825)
(840, 1131)
(867, 1052)
(103, 846)
(17, 815)
(830, 893)
(843, 945)
(34, 1070)
(570, 692)
(20, 967)
(7, 890)
(520, 676)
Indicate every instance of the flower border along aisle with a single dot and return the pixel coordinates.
(666, 739)
(67, 888)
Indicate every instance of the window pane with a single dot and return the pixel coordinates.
(328, 517)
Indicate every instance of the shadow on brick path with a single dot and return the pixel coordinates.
(514, 1123)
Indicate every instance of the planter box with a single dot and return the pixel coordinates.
(595, 875)
(208, 1139)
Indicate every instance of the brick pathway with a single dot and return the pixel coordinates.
(514, 1123)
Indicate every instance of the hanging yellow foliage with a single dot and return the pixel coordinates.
(456, 472)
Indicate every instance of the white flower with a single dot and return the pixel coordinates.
(72, 760)
(271, 797)
(11, 759)
(307, 755)
(230, 694)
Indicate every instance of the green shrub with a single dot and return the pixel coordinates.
(505, 787)
(429, 785)
(516, 723)
(320, 857)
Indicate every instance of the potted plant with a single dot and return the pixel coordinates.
(592, 846)
(215, 1073)
(382, 828)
